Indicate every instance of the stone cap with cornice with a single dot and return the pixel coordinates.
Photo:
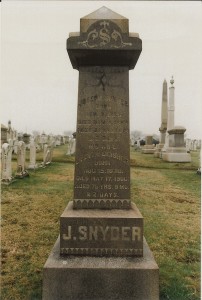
(104, 40)
(177, 129)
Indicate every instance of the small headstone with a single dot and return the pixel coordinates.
(47, 155)
(6, 155)
(42, 140)
(148, 148)
(21, 156)
(32, 164)
(71, 148)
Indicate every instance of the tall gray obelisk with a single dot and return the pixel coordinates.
(164, 114)
(164, 118)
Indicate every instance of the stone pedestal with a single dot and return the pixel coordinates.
(100, 278)
(176, 152)
(148, 149)
(157, 152)
(96, 232)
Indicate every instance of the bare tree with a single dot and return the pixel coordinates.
(136, 134)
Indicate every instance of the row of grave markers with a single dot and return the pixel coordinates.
(190, 144)
(19, 147)
(172, 146)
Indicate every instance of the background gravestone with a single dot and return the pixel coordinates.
(163, 128)
(148, 148)
(175, 150)
(101, 221)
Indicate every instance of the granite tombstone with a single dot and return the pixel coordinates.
(21, 158)
(32, 164)
(101, 252)
(6, 165)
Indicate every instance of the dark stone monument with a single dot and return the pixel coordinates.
(101, 252)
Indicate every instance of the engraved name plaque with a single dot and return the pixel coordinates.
(105, 233)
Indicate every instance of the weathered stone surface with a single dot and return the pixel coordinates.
(21, 155)
(102, 163)
(100, 31)
(101, 232)
(164, 114)
(176, 136)
(103, 52)
(157, 152)
(101, 221)
(6, 165)
(176, 154)
(149, 140)
(100, 278)
(32, 165)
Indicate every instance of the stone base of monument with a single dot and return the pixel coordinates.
(176, 155)
(100, 278)
(148, 149)
(98, 232)
(157, 152)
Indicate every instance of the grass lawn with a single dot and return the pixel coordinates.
(167, 195)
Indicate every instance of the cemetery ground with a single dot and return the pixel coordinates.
(167, 195)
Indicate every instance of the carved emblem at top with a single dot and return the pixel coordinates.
(104, 34)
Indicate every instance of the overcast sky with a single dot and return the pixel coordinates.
(40, 87)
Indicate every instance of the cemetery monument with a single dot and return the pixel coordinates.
(32, 165)
(175, 149)
(101, 252)
(164, 115)
(21, 157)
(6, 165)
